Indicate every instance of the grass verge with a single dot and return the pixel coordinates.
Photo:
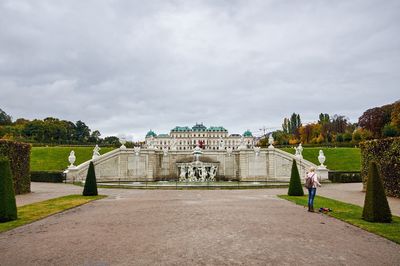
(56, 158)
(352, 214)
(339, 159)
(39, 210)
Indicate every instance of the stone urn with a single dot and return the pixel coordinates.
(271, 141)
(122, 140)
(71, 159)
(136, 150)
(321, 158)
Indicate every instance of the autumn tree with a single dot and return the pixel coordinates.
(375, 119)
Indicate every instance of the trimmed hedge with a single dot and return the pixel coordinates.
(90, 188)
(8, 207)
(386, 153)
(344, 177)
(295, 187)
(376, 207)
(47, 176)
(19, 155)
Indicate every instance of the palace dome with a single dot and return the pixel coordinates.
(247, 133)
(151, 134)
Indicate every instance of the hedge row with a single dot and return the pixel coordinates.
(47, 176)
(386, 153)
(344, 177)
(19, 155)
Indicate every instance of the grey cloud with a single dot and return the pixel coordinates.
(127, 66)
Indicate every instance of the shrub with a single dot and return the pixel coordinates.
(347, 137)
(339, 138)
(295, 187)
(47, 176)
(8, 207)
(19, 156)
(376, 207)
(389, 131)
(90, 188)
(356, 136)
(386, 153)
(344, 177)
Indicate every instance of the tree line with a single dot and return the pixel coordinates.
(374, 123)
(51, 131)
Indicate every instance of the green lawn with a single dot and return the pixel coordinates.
(340, 159)
(56, 158)
(352, 214)
(36, 211)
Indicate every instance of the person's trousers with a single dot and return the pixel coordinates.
(311, 196)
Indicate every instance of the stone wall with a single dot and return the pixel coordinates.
(148, 164)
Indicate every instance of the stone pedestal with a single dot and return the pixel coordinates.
(322, 173)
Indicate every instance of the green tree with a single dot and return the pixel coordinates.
(376, 207)
(323, 119)
(112, 140)
(8, 207)
(5, 119)
(90, 188)
(95, 137)
(82, 132)
(295, 187)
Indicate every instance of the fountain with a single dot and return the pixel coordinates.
(197, 170)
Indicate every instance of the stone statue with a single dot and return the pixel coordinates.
(197, 152)
(221, 144)
(257, 150)
(300, 148)
(191, 175)
(173, 144)
(271, 142)
(213, 173)
(151, 144)
(165, 151)
(298, 151)
(229, 151)
(96, 152)
(242, 144)
(182, 175)
(203, 174)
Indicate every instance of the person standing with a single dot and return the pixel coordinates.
(311, 184)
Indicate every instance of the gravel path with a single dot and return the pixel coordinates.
(217, 227)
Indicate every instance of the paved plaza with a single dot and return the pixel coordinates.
(192, 227)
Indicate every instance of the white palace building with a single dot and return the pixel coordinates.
(211, 138)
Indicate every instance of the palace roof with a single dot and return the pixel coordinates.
(217, 129)
(181, 129)
(199, 127)
(151, 133)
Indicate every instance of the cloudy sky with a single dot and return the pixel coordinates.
(124, 67)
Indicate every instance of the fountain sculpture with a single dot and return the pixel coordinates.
(197, 171)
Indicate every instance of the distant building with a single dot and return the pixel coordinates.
(212, 138)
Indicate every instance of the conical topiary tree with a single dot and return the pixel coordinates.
(376, 207)
(90, 188)
(295, 188)
(8, 207)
